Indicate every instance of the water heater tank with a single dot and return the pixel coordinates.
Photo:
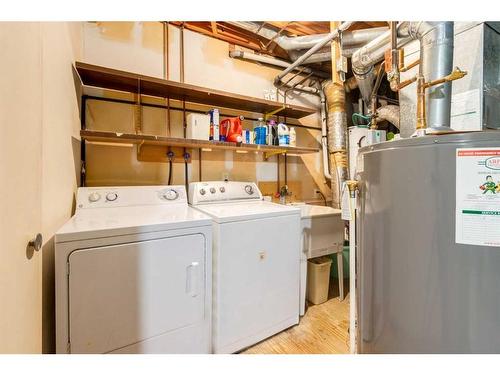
(428, 252)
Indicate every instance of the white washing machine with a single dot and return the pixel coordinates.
(133, 273)
(256, 263)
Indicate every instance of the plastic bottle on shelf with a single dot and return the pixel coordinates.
(283, 134)
(260, 131)
(271, 125)
(293, 137)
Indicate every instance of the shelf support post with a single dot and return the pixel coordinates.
(272, 113)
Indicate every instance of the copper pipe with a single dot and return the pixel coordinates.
(403, 84)
(422, 86)
(408, 67)
(335, 48)
(421, 113)
(454, 75)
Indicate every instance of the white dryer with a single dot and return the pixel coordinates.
(133, 273)
(256, 265)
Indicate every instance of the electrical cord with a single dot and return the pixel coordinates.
(187, 156)
(170, 156)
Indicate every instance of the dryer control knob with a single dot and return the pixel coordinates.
(222, 189)
(94, 197)
(111, 197)
(212, 190)
(171, 195)
(202, 191)
(249, 189)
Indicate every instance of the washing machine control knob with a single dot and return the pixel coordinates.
(249, 189)
(222, 189)
(212, 190)
(111, 197)
(202, 191)
(171, 195)
(94, 197)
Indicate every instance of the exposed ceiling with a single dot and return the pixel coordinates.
(238, 36)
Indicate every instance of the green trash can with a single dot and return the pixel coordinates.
(334, 271)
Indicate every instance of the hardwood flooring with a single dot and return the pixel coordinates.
(322, 330)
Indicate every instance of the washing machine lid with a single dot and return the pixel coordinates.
(117, 221)
(238, 211)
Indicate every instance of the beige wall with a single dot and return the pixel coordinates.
(138, 47)
(20, 187)
(61, 45)
(38, 168)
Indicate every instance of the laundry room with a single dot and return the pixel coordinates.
(177, 185)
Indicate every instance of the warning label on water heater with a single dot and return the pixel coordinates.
(478, 196)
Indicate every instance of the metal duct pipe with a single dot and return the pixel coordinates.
(367, 56)
(389, 113)
(321, 56)
(313, 50)
(239, 54)
(436, 61)
(355, 37)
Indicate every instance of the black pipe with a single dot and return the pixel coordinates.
(169, 172)
(83, 153)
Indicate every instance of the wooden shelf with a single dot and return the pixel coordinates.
(107, 78)
(153, 140)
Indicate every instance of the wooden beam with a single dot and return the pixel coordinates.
(319, 179)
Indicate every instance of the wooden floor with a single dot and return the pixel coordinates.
(322, 330)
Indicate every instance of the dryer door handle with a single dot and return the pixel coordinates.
(192, 281)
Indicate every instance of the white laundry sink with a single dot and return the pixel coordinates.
(322, 231)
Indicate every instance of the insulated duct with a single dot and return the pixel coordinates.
(389, 113)
(244, 55)
(321, 56)
(337, 144)
(349, 38)
(436, 61)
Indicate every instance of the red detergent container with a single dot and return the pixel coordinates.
(231, 128)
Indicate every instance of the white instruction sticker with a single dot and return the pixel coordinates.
(346, 205)
(465, 111)
(478, 196)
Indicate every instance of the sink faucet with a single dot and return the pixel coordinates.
(283, 193)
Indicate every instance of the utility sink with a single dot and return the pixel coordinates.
(322, 234)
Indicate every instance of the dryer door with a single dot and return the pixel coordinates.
(122, 295)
